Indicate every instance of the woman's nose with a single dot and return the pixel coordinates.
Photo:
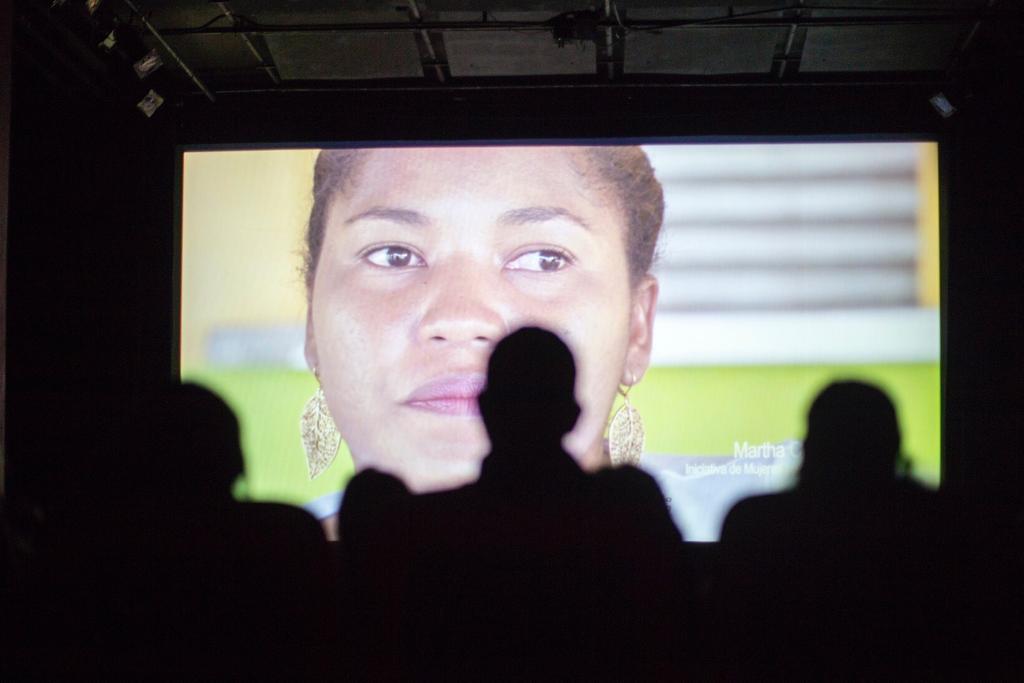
(462, 306)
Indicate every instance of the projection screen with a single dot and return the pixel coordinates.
(723, 285)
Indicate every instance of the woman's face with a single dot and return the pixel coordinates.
(429, 258)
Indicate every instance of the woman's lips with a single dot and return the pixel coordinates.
(449, 395)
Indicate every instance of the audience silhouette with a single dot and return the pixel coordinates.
(537, 571)
(374, 554)
(171, 578)
(857, 571)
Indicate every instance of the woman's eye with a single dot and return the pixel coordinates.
(394, 257)
(543, 261)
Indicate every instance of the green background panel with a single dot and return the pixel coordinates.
(705, 410)
(686, 410)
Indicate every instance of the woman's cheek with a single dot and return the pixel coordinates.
(353, 326)
(598, 334)
(376, 300)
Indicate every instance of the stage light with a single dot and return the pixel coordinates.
(148, 64)
(150, 103)
(942, 105)
(109, 42)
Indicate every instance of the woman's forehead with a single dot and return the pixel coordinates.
(471, 170)
(510, 155)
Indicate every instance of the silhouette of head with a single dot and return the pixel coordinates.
(530, 399)
(189, 443)
(853, 438)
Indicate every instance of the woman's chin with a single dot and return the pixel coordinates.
(447, 475)
(445, 465)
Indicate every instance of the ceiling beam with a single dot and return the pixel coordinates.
(738, 21)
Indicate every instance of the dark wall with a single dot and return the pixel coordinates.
(93, 203)
(90, 278)
(5, 150)
(559, 112)
(984, 292)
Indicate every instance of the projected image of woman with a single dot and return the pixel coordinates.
(419, 260)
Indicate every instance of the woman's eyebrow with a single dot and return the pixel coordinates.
(540, 214)
(383, 213)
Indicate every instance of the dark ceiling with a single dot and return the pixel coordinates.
(312, 45)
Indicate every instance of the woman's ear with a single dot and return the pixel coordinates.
(312, 359)
(641, 330)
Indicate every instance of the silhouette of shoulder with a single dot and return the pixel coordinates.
(372, 485)
(283, 525)
(628, 485)
(754, 510)
(375, 505)
(630, 495)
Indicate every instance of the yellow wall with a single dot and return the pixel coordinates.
(243, 218)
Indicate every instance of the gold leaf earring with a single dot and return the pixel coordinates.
(320, 436)
(626, 433)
